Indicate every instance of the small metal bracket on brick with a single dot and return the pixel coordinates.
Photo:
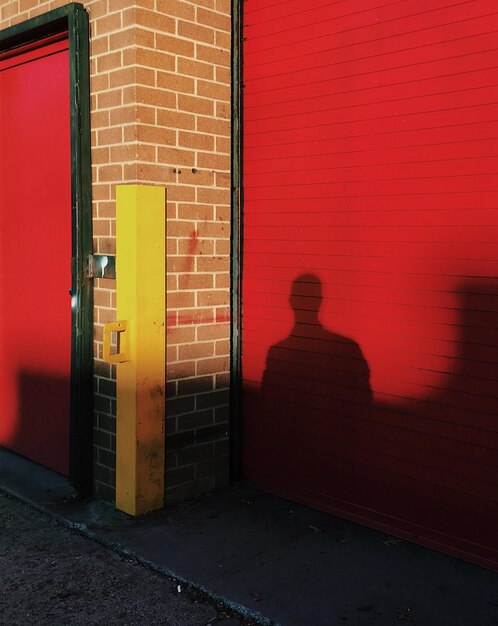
(101, 266)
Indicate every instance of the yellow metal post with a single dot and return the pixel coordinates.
(140, 353)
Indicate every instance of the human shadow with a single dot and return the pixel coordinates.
(315, 391)
(421, 461)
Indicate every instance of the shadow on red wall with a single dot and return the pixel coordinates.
(423, 464)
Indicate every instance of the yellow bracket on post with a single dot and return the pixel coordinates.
(121, 355)
(141, 348)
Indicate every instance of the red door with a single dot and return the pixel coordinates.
(35, 255)
(370, 269)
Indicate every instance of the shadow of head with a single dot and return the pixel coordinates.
(306, 297)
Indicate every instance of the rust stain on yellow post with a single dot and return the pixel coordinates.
(140, 275)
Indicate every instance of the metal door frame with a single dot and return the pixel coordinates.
(71, 21)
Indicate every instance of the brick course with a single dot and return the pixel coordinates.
(160, 114)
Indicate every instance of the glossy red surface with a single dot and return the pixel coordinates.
(35, 255)
(370, 163)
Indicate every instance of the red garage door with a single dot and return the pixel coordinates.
(35, 254)
(370, 263)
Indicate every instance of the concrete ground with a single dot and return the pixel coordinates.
(275, 561)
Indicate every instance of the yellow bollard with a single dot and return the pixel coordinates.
(140, 354)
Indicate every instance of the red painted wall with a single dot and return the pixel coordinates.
(35, 255)
(370, 267)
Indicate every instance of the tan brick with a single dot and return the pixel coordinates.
(170, 210)
(110, 136)
(99, 45)
(179, 335)
(101, 228)
(195, 281)
(193, 176)
(102, 298)
(176, 9)
(224, 6)
(202, 106)
(100, 119)
(106, 315)
(108, 23)
(195, 316)
(223, 75)
(99, 83)
(126, 76)
(212, 366)
(150, 96)
(180, 263)
(182, 229)
(109, 99)
(196, 351)
(223, 281)
(122, 115)
(152, 173)
(212, 126)
(223, 145)
(223, 110)
(223, 40)
(171, 353)
(100, 155)
(202, 212)
(124, 152)
(106, 245)
(213, 196)
(175, 45)
(175, 82)
(149, 19)
(171, 282)
(214, 19)
(107, 62)
(146, 153)
(106, 209)
(222, 246)
(181, 299)
(203, 246)
(199, 141)
(181, 370)
(151, 58)
(214, 161)
(212, 298)
(216, 91)
(181, 193)
(175, 119)
(109, 173)
(214, 230)
(171, 247)
(195, 32)
(205, 3)
(189, 67)
(223, 179)
(101, 191)
(213, 55)
(213, 264)
(222, 348)
(118, 5)
(155, 135)
(174, 156)
(223, 213)
(9, 10)
(145, 114)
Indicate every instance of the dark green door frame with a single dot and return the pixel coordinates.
(236, 248)
(73, 20)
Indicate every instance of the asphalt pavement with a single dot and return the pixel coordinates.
(265, 559)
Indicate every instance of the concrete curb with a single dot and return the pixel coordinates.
(177, 579)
